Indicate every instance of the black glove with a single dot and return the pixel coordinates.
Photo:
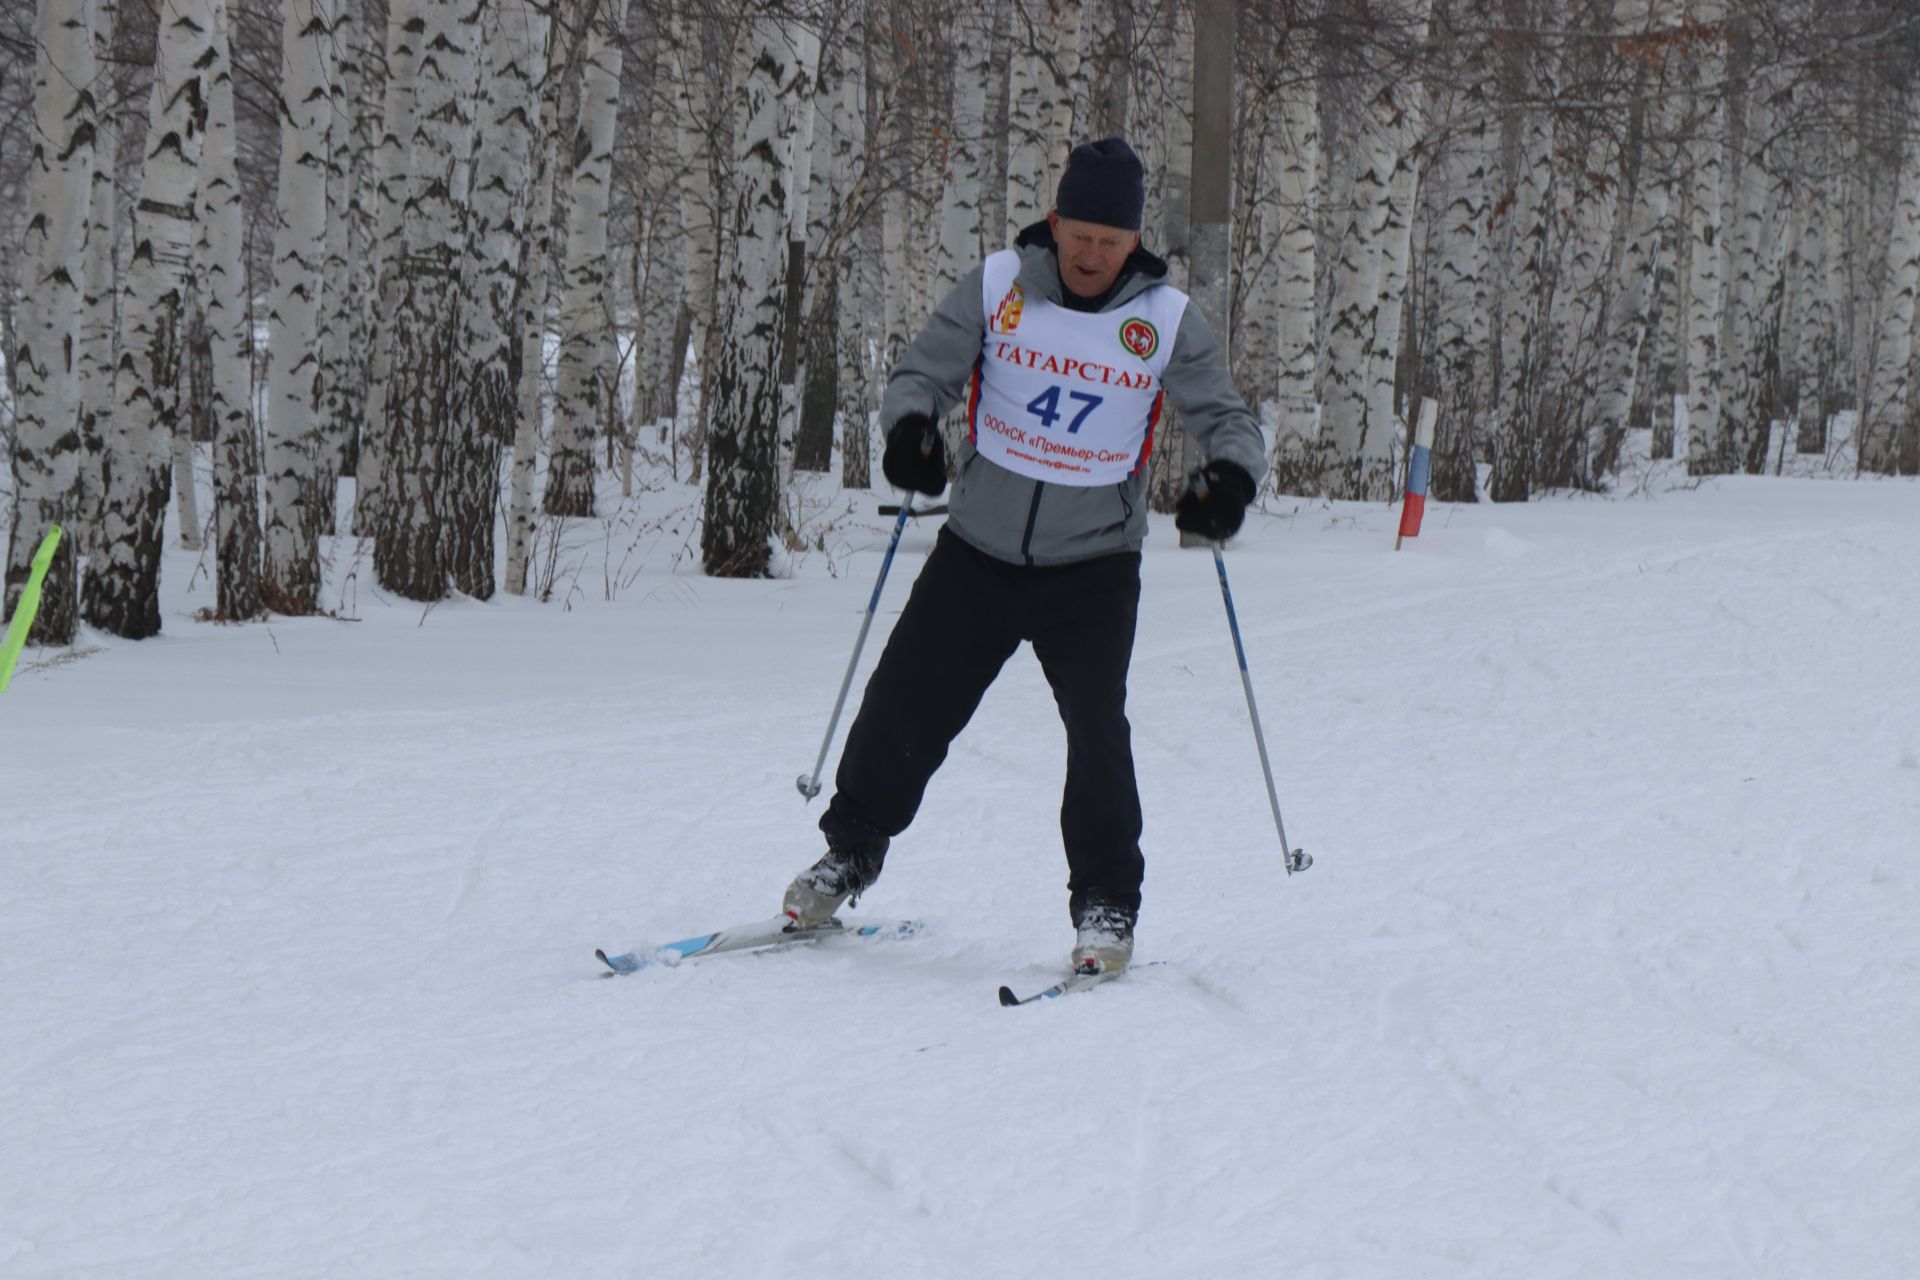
(1215, 501)
(916, 456)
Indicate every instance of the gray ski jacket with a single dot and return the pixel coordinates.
(1033, 522)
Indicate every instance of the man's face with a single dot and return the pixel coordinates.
(1091, 254)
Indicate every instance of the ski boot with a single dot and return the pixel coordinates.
(840, 877)
(1103, 938)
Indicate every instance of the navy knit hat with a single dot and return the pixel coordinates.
(1104, 183)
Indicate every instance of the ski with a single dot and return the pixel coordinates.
(780, 931)
(1067, 986)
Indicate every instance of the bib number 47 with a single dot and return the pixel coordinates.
(1046, 407)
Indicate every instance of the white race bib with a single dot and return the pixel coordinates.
(1066, 396)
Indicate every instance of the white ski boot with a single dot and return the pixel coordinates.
(1103, 939)
(816, 893)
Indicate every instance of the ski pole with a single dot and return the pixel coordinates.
(1296, 859)
(809, 784)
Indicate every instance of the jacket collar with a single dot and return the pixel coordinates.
(1039, 276)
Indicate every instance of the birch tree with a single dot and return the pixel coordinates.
(1524, 313)
(390, 169)
(585, 315)
(1706, 446)
(1463, 327)
(837, 122)
(535, 256)
(46, 449)
(1296, 319)
(123, 588)
(851, 170)
(1649, 194)
(742, 447)
(293, 426)
(1884, 415)
(959, 243)
(503, 156)
(341, 319)
(1396, 248)
(219, 266)
(430, 386)
(94, 358)
(1357, 458)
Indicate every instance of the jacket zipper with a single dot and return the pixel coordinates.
(1033, 514)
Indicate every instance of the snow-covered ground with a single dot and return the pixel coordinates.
(1607, 967)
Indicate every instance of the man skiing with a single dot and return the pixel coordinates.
(1064, 348)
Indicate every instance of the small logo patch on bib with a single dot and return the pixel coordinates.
(1006, 317)
(1140, 337)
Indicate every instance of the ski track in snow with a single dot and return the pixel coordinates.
(1606, 967)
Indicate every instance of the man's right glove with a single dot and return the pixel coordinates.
(1215, 501)
(916, 456)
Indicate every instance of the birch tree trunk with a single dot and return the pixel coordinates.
(535, 255)
(1884, 414)
(337, 327)
(1169, 466)
(742, 445)
(1762, 197)
(1212, 187)
(1707, 453)
(1649, 183)
(832, 248)
(429, 391)
(94, 360)
(896, 211)
(391, 176)
(1396, 250)
(668, 253)
(1357, 453)
(46, 445)
(959, 244)
(864, 285)
(1296, 260)
(293, 434)
(503, 157)
(585, 313)
(123, 588)
(1822, 244)
(1032, 32)
(1524, 315)
(1463, 330)
(221, 268)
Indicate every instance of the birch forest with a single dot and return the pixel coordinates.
(421, 284)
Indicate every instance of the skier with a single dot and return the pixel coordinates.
(1064, 348)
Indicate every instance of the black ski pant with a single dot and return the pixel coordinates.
(967, 613)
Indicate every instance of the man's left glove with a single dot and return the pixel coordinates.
(916, 457)
(1215, 501)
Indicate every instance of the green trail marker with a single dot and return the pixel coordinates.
(29, 605)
